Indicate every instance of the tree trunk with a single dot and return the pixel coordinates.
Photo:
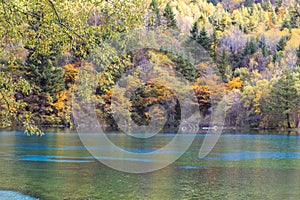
(288, 120)
(297, 120)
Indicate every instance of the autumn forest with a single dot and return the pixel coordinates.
(254, 46)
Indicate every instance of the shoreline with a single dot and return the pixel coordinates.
(203, 130)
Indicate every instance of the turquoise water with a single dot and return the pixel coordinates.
(57, 166)
(5, 195)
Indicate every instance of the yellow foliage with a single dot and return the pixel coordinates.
(62, 97)
(187, 12)
(70, 73)
(161, 59)
(235, 83)
(294, 42)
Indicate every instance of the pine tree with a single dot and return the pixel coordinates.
(224, 67)
(279, 4)
(248, 3)
(214, 2)
(263, 46)
(283, 98)
(282, 43)
(268, 6)
(286, 24)
(170, 17)
(194, 31)
(154, 7)
(274, 57)
(295, 18)
(295, 21)
(250, 48)
(40, 69)
(204, 40)
(245, 30)
(215, 42)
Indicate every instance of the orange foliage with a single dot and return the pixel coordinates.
(281, 13)
(70, 73)
(271, 24)
(203, 96)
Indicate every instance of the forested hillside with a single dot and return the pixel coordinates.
(255, 45)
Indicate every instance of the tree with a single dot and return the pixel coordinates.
(46, 29)
(295, 16)
(283, 99)
(220, 19)
(41, 71)
(204, 40)
(235, 83)
(215, 42)
(253, 100)
(282, 43)
(41, 23)
(263, 46)
(203, 96)
(295, 21)
(274, 18)
(274, 57)
(250, 48)
(285, 24)
(194, 31)
(155, 9)
(224, 67)
(13, 110)
(170, 17)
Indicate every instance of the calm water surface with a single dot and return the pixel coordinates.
(244, 166)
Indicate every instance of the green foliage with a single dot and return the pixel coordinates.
(41, 71)
(274, 57)
(253, 100)
(283, 99)
(170, 17)
(188, 70)
(250, 48)
(286, 24)
(204, 40)
(155, 8)
(194, 31)
(45, 31)
(112, 74)
(263, 46)
(13, 110)
(282, 43)
(224, 66)
(215, 42)
(48, 41)
(295, 16)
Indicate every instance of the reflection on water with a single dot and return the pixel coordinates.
(57, 166)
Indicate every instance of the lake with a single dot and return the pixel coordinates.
(241, 166)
